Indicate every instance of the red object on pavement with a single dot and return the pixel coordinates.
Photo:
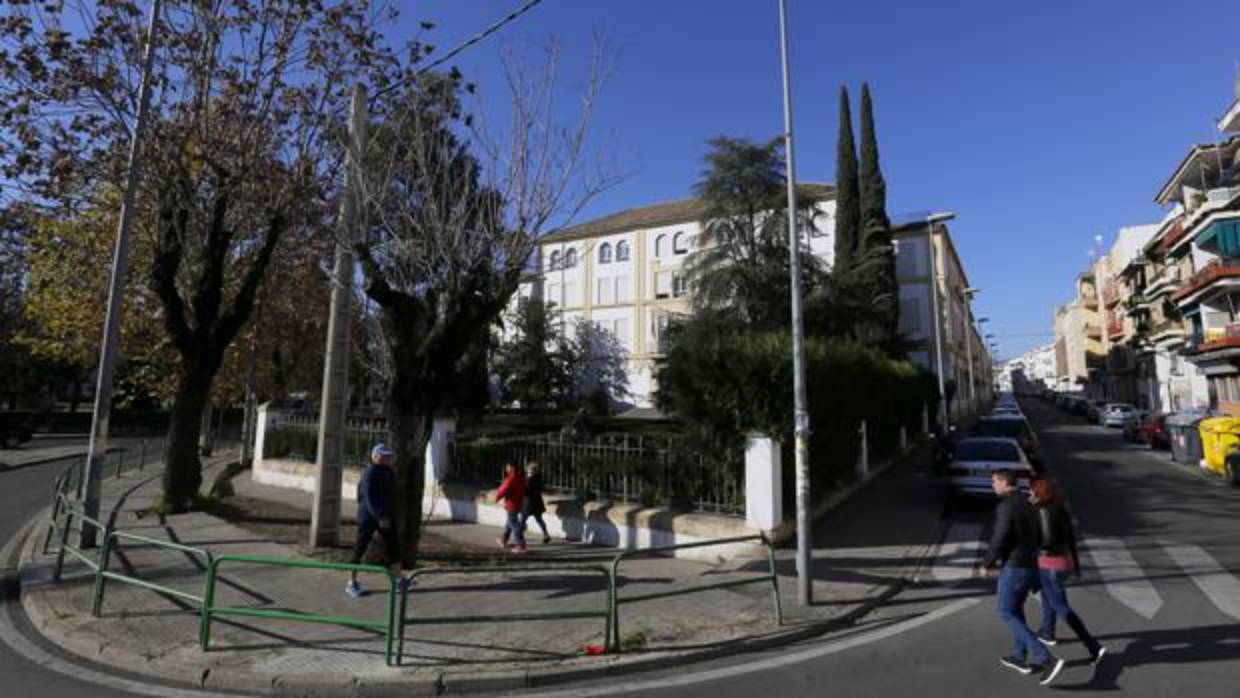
(595, 650)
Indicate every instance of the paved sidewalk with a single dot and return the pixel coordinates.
(146, 632)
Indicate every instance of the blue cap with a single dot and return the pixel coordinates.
(381, 451)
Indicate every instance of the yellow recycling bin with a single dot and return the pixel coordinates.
(1219, 437)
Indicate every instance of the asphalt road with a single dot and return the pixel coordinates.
(1160, 590)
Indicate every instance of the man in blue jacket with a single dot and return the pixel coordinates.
(375, 494)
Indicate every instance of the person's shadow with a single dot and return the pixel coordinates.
(1212, 643)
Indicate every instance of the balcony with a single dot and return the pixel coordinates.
(1163, 283)
(1218, 270)
(1089, 302)
(1115, 329)
(1173, 236)
(1217, 339)
(1110, 295)
(1093, 332)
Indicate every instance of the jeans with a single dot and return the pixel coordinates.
(514, 529)
(1055, 603)
(1015, 584)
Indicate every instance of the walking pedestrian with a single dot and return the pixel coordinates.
(534, 506)
(512, 493)
(1057, 558)
(375, 494)
(1014, 550)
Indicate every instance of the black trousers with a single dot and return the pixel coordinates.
(366, 529)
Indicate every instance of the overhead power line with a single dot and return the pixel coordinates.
(529, 5)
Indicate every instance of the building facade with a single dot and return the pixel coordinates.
(625, 272)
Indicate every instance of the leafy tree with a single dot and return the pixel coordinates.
(247, 100)
(877, 243)
(847, 191)
(597, 366)
(742, 262)
(531, 365)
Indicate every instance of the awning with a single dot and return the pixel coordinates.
(1225, 235)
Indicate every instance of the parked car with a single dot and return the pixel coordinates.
(1134, 426)
(1093, 410)
(1114, 414)
(977, 457)
(1154, 432)
(1014, 427)
(13, 433)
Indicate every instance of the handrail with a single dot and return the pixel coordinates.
(65, 547)
(606, 613)
(209, 609)
(110, 539)
(771, 577)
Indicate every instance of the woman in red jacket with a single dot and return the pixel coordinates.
(512, 493)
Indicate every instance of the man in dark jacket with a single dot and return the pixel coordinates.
(375, 493)
(1014, 549)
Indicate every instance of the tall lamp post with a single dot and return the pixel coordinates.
(800, 409)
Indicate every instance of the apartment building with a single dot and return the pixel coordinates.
(625, 271)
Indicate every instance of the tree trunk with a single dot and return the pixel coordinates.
(183, 468)
(75, 393)
(410, 429)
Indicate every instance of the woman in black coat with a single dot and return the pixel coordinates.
(533, 507)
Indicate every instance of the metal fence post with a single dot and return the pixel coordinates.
(208, 600)
(863, 462)
(105, 553)
(779, 607)
(142, 457)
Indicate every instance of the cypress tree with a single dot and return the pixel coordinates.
(847, 196)
(876, 241)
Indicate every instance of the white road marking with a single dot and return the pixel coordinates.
(1219, 585)
(957, 556)
(761, 665)
(1124, 578)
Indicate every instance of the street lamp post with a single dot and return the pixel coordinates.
(800, 409)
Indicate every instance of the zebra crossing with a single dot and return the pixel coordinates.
(1124, 579)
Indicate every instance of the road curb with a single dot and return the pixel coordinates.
(54, 624)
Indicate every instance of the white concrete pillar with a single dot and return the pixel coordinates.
(437, 455)
(764, 503)
(261, 421)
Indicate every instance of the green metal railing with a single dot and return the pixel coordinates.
(210, 610)
(605, 613)
(616, 600)
(72, 513)
(111, 538)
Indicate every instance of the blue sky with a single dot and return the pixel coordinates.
(1039, 124)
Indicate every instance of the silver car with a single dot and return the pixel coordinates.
(976, 458)
(1116, 413)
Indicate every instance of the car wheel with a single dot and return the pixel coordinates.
(1229, 471)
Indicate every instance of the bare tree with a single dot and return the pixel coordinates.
(455, 214)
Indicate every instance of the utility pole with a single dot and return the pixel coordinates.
(805, 589)
(116, 298)
(325, 517)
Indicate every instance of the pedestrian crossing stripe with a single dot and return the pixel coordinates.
(1221, 587)
(1124, 579)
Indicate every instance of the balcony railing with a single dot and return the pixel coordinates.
(1166, 281)
(1218, 338)
(1110, 295)
(1224, 268)
(1173, 236)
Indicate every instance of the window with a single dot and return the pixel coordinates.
(604, 253)
(570, 258)
(663, 284)
(553, 294)
(680, 285)
(624, 288)
(572, 295)
(604, 292)
(680, 243)
(623, 329)
(660, 246)
(910, 317)
(622, 251)
(662, 324)
(555, 260)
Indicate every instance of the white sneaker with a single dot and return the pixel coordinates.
(354, 590)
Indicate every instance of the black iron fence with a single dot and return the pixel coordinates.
(625, 469)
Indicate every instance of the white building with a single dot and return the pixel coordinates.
(625, 272)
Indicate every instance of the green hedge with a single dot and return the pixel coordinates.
(727, 382)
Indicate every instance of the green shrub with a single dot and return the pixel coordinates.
(727, 381)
